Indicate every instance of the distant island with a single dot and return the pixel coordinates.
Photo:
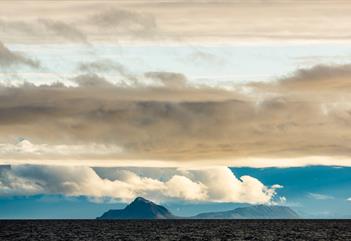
(142, 208)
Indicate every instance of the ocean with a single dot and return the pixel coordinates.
(154, 230)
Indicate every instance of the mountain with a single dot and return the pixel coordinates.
(252, 212)
(140, 208)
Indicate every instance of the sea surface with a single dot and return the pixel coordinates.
(36, 230)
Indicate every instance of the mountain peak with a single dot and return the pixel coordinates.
(141, 199)
(140, 208)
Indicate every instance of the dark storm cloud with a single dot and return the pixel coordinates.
(10, 58)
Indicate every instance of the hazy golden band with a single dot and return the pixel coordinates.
(184, 21)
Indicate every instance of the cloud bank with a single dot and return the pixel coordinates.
(215, 184)
(299, 119)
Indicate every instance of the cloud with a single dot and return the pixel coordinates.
(16, 26)
(222, 185)
(215, 184)
(99, 112)
(203, 57)
(191, 21)
(319, 196)
(315, 81)
(24, 148)
(100, 66)
(321, 77)
(106, 65)
(183, 188)
(277, 186)
(122, 19)
(178, 123)
(42, 30)
(168, 79)
(294, 121)
(65, 30)
(10, 58)
(92, 81)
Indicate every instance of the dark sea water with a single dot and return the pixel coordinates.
(154, 230)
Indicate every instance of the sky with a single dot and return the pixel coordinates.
(198, 105)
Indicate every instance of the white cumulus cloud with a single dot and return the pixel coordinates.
(215, 184)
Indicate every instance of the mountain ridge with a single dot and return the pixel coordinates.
(252, 212)
(142, 208)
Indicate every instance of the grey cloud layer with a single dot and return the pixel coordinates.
(180, 122)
